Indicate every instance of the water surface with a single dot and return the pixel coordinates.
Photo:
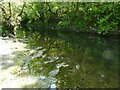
(72, 60)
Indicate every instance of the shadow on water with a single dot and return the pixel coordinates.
(74, 60)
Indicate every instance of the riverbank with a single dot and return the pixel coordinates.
(13, 68)
(37, 26)
(92, 32)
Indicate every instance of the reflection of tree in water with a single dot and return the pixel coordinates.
(76, 61)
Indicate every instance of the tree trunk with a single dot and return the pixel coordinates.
(12, 30)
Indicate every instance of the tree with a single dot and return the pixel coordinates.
(11, 13)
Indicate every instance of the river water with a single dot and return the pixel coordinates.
(73, 60)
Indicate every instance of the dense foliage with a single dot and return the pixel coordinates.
(100, 17)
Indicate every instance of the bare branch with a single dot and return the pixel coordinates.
(22, 9)
(4, 12)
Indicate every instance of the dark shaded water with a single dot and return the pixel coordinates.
(74, 60)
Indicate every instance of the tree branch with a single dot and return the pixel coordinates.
(9, 10)
(3, 10)
(22, 9)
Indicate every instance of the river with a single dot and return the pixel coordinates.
(73, 60)
(60, 59)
